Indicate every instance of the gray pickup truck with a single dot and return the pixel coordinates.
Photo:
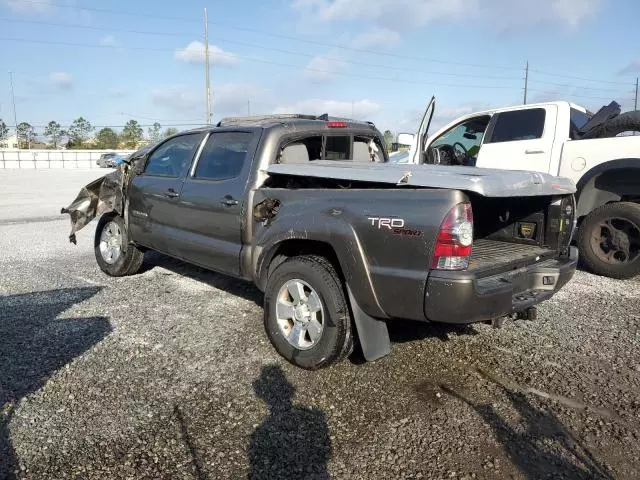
(340, 241)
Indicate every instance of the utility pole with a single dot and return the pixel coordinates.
(248, 108)
(13, 100)
(206, 65)
(526, 82)
(635, 103)
(352, 109)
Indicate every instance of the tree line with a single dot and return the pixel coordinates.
(79, 135)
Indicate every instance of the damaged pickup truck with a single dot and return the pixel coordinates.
(339, 241)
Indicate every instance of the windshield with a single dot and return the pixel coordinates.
(468, 133)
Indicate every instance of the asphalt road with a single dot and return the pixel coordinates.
(168, 374)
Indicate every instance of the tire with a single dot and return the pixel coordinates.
(128, 259)
(626, 122)
(621, 216)
(317, 276)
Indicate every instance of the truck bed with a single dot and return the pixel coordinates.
(489, 256)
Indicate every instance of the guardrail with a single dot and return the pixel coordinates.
(53, 158)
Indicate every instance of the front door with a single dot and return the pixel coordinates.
(520, 140)
(154, 194)
(418, 152)
(212, 201)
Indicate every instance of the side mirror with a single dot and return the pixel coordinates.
(406, 138)
(138, 164)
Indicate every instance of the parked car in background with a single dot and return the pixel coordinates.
(108, 160)
(599, 152)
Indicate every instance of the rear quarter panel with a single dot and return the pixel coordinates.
(383, 239)
(580, 156)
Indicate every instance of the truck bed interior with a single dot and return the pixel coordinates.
(510, 233)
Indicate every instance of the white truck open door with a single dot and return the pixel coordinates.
(419, 147)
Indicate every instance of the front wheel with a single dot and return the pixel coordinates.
(115, 255)
(609, 240)
(306, 315)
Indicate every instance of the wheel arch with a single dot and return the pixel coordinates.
(611, 181)
(284, 249)
(342, 247)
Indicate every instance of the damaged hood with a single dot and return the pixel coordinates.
(483, 181)
(106, 194)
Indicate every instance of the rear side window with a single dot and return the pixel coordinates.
(337, 148)
(578, 120)
(518, 125)
(172, 158)
(223, 156)
(367, 150)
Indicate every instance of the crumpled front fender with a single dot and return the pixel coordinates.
(106, 194)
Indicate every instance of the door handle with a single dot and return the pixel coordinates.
(229, 201)
(533, 152)
(171, 193)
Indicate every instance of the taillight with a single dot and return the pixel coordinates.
(453, 245)
(334, 124)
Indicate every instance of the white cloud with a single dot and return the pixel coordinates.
(232, 98)
(324, 68)
(194, 53)
(109, 41)
(41, 6)
(189, 101)
(574, 12)
(180, 99)
(61, 80)
(376, 37)
(399, 14)
(362, 109)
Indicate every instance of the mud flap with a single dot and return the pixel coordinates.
(372, 333)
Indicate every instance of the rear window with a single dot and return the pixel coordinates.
(338, 148)
(518, 125)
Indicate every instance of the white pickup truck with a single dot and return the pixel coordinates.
(563, 139)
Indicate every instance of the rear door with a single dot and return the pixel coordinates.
(212, 201)
(154, 194)
(520, 140)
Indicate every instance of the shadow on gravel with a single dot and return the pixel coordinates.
(188, 441)
(402, 331)
(230, 285)
(34, 344)
(293, 442)
(528, 447)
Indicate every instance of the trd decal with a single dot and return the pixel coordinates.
(390, 223)
(396, 225)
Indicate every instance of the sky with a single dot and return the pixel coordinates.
(376, 60)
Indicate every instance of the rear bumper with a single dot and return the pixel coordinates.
(460, 297)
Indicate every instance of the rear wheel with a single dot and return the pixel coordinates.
(114, 254)
(306, 315)
(609, 240)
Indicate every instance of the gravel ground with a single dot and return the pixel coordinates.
(168, 374)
